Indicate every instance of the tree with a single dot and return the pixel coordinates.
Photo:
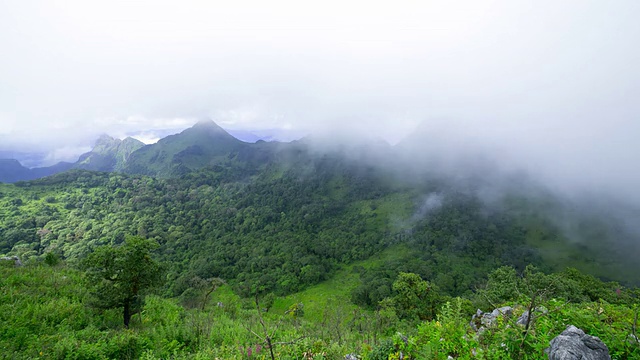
(415, 298)
(121, 275)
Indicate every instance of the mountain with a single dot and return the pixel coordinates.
(51, 170)
(11, 171)
(204, 144)
(27, 159)
(108, 154)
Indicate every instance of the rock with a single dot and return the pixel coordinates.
(505, 310)
(522, 320)
(482, 320)
(350, 357)
(15, 259)
(573, 343)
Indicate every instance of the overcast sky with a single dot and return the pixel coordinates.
(554, 82)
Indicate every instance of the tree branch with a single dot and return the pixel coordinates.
(290, 342)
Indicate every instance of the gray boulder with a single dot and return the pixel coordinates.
(522, 320)
(573, 343)
(482, 320)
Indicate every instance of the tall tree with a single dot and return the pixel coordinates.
(121, 275)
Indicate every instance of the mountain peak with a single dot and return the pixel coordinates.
(209, 129)
(203, 144)
(105, 139)
(130, 140)
(205, 122)
(109, 154)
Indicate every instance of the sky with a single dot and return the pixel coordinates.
(554, 85)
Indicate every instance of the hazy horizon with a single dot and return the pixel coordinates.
(547, 87)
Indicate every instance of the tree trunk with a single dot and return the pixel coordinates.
(270, 348)
(127, 313)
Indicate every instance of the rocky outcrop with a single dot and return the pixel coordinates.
(573, 343)
(482, 320)
(524, 318)
(15, 259)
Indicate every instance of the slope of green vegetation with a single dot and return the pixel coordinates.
(261, 235)
(339, 288)
(564, 235)
(286, 225)
(310, 254)
(46, 312)
(203, 145)
(109, 154)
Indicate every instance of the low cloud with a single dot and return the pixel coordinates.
(431, 203)
(559, 100)
(67, 154)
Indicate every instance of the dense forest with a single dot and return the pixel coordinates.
(279, 250)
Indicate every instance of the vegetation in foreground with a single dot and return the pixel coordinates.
(49, 310)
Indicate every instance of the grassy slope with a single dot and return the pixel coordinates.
(584, 243)
(338, 288)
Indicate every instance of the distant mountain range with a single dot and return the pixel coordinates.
(202, 145)
(30, 159)
(12, 171)
(108, 154)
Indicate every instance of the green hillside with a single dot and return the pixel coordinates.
(341, 252)
(205, 144)
(108, 154)
(291, 222)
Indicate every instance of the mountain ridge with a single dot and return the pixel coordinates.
(11, 170)
(108, 154)
(203, 144)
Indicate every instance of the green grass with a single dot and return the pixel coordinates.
(398, 208)
(337, 289)
(559, 252)
(389, 213)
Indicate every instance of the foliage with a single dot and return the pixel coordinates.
(43, 314)
(505, 285)
(415, 298)
(51, 259)
(119, 276)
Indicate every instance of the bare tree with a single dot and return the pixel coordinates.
(212, 285)
(267, 336)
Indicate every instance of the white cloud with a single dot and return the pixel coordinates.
(7, 124)
(147, 138)
(555, 83)
(67, 153)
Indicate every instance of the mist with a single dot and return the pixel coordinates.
(546, 88)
